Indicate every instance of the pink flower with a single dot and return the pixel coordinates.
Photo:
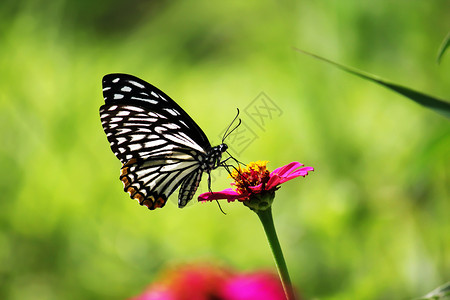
(255, 181)
(197, 281)
(204, 282)
(261, 285)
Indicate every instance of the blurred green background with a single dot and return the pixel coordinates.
(372, 222)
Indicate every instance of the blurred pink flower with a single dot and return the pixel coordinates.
(258, 285)
(205, 282)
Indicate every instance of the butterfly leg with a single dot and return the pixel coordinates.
(209, 182)
(233, 158)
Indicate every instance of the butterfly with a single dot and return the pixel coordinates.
(157, 142)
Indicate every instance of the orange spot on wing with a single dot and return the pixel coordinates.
(124, 171)
(160, 202)
(125, 181)
(131, 190)
(139, 197)
(148, 202)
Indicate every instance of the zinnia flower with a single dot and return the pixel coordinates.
(205, 282)
(254, 184)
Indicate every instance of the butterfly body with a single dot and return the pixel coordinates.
(159, 145)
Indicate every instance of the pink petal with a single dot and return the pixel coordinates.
(287, 168)
(256, 188)
(261, 286)
(273, 182)
(300, 172)
(228, 194)
(286, 173)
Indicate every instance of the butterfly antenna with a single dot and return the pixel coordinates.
(231, 131)
(226, 134)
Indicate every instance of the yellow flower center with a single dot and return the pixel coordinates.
(253, 174)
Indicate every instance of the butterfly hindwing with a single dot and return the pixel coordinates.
(152, 181)
(189, 187)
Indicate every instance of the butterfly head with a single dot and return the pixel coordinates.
(222, 148)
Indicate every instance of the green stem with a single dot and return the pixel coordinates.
(267, 221)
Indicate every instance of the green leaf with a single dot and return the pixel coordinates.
(440, 293)
(443, 48)
(438, 105)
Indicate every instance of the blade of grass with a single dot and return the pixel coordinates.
(442, 292)
(440, 106)
(445, 44)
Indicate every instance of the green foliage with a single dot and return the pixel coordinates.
(370, 223)
(438, 105)
(444, 46)
(440, 293)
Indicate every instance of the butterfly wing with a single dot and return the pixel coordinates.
(157, 142)
(153, 180)
(189, 187)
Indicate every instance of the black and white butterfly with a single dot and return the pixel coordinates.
(158, 143)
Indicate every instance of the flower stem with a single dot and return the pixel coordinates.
(267, 221)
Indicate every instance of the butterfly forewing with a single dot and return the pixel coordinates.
(159, 145)
(143, 103)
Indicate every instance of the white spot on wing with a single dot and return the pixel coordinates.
(171, 126)
(142, 119)
(136, 84)
(152, 114)
(126, 89)
(134, 108)
(134, 147)
(121, 140)
(123, 113)
(137, 137)
(144, 130)
(123, 130)
(179, 165)
(135, 124)
(145, 99)
(118, 119)
(154, 143)
(115, 80)
(173, 112)
(160, 129)
(118, 96)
